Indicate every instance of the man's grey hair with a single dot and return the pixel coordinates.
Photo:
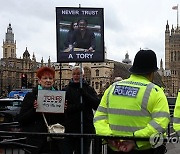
(78, 68)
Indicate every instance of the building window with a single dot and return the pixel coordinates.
(97, 72)
(93, 84)
(171, 56)
(174, 55)
(87, 74)
(100, 84)
(178, 56)
(5, 53)
(12, 52)
(97, 85)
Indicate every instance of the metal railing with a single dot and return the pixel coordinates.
(170, 130)
(15, 142)
(15, 145)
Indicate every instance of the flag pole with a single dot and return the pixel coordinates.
(177, 16)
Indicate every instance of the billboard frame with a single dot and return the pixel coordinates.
(95, 24)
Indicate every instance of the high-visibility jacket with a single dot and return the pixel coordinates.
(176, 117)
(132, 107)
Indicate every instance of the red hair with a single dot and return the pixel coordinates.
(45, 71)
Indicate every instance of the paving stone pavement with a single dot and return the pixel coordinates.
(173, 148)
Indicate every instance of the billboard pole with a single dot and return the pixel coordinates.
(89, 21)
(81, 77)
(60, 75)
(81, 101)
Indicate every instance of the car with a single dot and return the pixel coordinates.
(9, 109)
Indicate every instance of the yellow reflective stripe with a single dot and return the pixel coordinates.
(102, 109)
(133, 112)
(157, 126)
(146, 96)
(127, 112)
(176, 120)
(100, 118)
(160, 114)
(124, 128)
(122, 111)
(113, 85)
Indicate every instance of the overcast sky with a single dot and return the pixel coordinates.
(129, 25)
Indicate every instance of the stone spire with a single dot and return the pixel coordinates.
(9, 35)
(33, 57)
(127, 60)
(49, 62)
(9, 45)
(42, 61)
(26, 54)
(167, 27)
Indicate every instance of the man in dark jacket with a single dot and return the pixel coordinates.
(32, 121)
(90, 102)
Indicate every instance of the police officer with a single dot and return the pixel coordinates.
(134, 107)
(176, 118)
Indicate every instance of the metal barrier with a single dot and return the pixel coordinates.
(20, 147)
(15, 142)
(170, 130)
(13, 145)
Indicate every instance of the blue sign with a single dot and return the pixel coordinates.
(122, 90)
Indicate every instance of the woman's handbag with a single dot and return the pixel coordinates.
(55, 128)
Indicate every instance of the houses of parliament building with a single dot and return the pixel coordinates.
(100, 75)
(171, 73)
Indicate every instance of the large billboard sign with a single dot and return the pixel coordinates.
(80, 34)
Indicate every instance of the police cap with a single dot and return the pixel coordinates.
(145, 62)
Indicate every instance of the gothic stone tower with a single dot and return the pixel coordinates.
(9, 45)
(12, 68)
(172, 56)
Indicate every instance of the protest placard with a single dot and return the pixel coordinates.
(51, 101)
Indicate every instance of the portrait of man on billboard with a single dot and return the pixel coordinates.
(80, 34)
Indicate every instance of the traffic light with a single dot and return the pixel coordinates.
(24, 81)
